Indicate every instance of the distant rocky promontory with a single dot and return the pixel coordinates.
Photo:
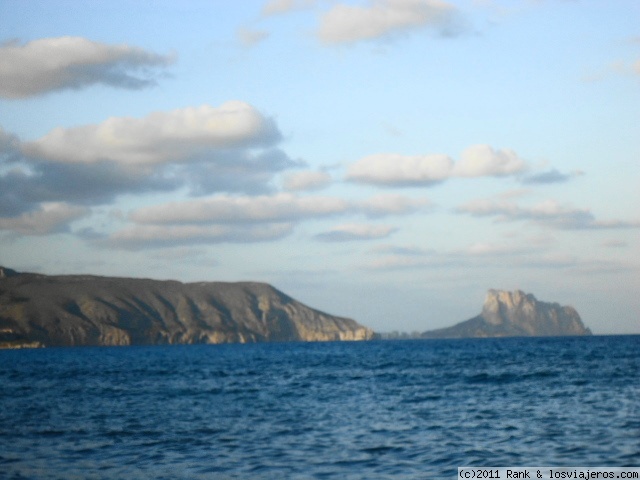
(516, 314)
(68, 310)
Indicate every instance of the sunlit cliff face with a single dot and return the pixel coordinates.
(532, 316)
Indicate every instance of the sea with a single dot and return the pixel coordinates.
(409, 409)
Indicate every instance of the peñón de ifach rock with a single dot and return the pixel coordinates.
(41, 310)
(516, 314)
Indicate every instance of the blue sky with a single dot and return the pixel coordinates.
(386, 160)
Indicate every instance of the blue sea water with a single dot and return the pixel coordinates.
(382, 409)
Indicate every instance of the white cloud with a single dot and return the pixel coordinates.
(481, 249)
(228, 209)
(625, 67)
(249, 38)
(389, 169)
(280, 207)
(349, 232)
(401, 170)
(277, 7)
(383, 18)
(401, 250)
(401, 258)
(484, 161)
(226, 218)
(161, 137)
(614, 243)
(301, 181)
(551, 176)
(51, 217)
(390, 204)
(201, 149)
(549, 213)
(49, 64)
(140, 237)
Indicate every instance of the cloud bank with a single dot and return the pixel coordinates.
(205, 149)
(228, 209)
(50, 64)
(549, 213)
(227, 218)
(225, 156)
(280, 207)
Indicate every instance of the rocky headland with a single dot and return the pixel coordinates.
(516, 314)
(67, 310)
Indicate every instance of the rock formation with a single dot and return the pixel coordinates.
(41, 310)
(516, 314)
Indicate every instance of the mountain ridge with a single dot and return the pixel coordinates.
(516, 314)
(70, 310)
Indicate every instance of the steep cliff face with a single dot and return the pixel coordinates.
(40, 310)
(516, 314)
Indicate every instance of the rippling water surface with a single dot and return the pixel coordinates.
(394, 409)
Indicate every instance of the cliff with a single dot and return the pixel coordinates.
(516, 314)
(42, 310)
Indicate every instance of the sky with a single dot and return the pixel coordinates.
(384, 160)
